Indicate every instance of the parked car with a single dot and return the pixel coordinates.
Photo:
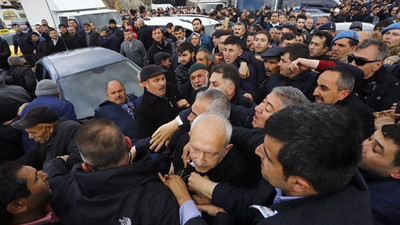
(82, 74)
(367, 27)
(184, 21)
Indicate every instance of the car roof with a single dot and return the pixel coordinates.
(72, 61)
(367, 27)
(184, 21)
(179, 20)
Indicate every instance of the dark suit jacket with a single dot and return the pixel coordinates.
(59, 47)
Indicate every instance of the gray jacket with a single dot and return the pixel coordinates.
(135, 51)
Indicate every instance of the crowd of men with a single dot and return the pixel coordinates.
(272, 121)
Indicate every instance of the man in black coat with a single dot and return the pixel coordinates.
(335, 86)
(144, 34)
(308, 177)
(111, 186)
(159, 102)
(355, 15)
(78, 40)
(378, 90)
(4, 54)
(91, 35)
(56, 44)
(23, 41)
(11, 98)
(20, 75)
(67, 38)
(159, 44)
(116, 30)
(54, 137)
(40, 45)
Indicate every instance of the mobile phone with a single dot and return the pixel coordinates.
(397, 108)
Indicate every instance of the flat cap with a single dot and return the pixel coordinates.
(160, 56)
(196, 66)
(328, 26)
(272, 52)
(151, 71)
(350, 34)
(33, 117)
(390, 27)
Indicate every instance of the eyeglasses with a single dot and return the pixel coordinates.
(359, 61)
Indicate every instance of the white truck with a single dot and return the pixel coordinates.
(58, 11)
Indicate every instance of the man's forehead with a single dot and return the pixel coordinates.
(26, 172)
(197, 72)
(216, 76)
(328, 78)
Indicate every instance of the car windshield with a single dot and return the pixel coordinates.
(8, 38)
(100, 19)
(86, 90)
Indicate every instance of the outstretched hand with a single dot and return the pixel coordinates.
(177, 186)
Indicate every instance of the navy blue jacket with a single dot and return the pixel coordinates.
(385, 203)
(305, 81)
(110, 42)
(23, 41)
(119, 116)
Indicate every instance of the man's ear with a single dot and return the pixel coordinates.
(325, 49)
(228, 148)
(300, 186)
(241, 52)
(128, 142)
(17, 207)
(395, 173)
(343, 94)
(231, 89)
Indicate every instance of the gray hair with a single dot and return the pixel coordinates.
(140, 21)
(346, 80)
(208, 53)
(241, 24)
(290, 96)
(382, 47)
(217, 120)
(219, 102)
(15, 60)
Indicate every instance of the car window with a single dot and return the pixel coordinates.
(86, 90)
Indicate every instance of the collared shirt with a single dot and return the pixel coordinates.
(187, 211)
(281, 198)
(50, 217)
(268, 212)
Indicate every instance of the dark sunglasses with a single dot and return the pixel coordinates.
(359, 61)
